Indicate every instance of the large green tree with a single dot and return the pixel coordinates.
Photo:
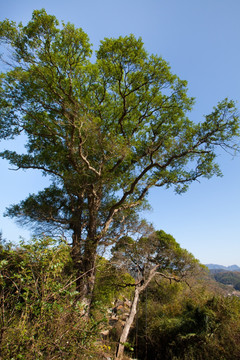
(105, 130)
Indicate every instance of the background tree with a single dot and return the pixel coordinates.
(155, 256)
(104, 130)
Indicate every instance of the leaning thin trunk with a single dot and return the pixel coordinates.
(127, 326)
(140, 287)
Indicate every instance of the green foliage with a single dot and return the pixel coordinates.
(183, 324)
(228, 278)
(105, 131)
(109, 284)
(32, 271)
(40, 315)
(237, 286)
(156, 250)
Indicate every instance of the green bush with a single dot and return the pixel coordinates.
(182, 325)
(41, 317)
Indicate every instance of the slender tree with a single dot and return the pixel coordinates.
(105, 130)
(157, 255)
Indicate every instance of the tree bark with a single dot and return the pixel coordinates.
(141, 286)
(84, 255)
(127, 325)
(85, 252)
(76, 254)
(88, 272)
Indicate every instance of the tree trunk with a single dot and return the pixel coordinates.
(88, 273)
(90, 250)
(85, 253)
(127, 325)
(76, 254)
(141, 286)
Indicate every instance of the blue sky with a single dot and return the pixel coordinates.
(200, 40)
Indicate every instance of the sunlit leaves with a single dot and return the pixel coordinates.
(105, 129)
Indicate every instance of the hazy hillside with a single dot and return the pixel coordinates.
(229, 276)
(221, 267)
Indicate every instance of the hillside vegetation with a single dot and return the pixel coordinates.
(227, 278)
(105, 130)
(41, 317)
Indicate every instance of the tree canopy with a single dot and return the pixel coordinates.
(157, 253)
(105, 129)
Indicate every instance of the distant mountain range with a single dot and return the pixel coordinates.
(221, 267)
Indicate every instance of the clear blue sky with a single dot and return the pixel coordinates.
(200, 40)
